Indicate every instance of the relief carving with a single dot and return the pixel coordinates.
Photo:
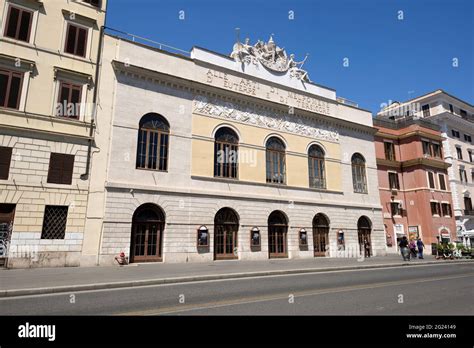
(263, 118)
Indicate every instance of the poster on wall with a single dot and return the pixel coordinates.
(413, 232)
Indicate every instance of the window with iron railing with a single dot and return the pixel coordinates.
(54, 222)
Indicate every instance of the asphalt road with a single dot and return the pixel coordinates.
(421, 290)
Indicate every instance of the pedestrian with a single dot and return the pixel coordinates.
(421, 246)
(412, 246)
(404, 248)
(366, 247)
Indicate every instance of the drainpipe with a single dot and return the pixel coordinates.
(85, 176)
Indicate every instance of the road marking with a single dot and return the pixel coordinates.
(282, 296)
(191, 283)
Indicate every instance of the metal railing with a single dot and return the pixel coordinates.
(468, 212)
(145, 41)
(347, 101)
(404, 122)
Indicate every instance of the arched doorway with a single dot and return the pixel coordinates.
(147, 233)
(226, 226)
(364, 227)
(277, 235)
(320, 235)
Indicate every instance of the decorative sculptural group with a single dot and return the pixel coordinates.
(270, 56)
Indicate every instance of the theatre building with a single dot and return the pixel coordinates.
(205, 156)
(413, 182)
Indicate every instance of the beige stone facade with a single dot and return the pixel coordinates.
(35, 128)
(197, 96)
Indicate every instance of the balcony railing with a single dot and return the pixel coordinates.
(468, 212)
(404, 122)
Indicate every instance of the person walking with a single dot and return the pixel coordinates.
(404, 248)
(366, 247)
(412, 246)
(421, 246)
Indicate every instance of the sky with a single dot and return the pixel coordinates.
(370, 51)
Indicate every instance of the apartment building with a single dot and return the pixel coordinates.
(48, 61)
(413, 182)
(455, 117)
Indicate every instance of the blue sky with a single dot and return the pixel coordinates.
(389, 59)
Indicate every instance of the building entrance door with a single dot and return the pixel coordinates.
(277, 235)
(320, 235)
(364, 228)
(7, 215)
(226, 226)
(147, 234)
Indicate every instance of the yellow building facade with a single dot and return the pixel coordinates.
(48, 64)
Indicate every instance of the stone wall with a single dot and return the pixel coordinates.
(27, 187)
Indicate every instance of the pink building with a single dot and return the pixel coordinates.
(413, 182)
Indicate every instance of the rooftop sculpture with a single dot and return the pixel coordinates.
(270, 56)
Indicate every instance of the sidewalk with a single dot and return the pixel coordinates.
(19, 282)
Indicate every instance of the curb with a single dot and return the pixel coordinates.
(188, 279)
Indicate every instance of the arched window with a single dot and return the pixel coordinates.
(317, 177)
(226, 149)
(153, 140)
(359, 180)
(276, 168)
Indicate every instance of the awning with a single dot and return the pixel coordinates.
(469, 233)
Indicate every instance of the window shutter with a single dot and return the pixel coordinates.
(5, 159)
(68, 168)
(61, 167)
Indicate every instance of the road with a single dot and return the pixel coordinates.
(421, 290)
